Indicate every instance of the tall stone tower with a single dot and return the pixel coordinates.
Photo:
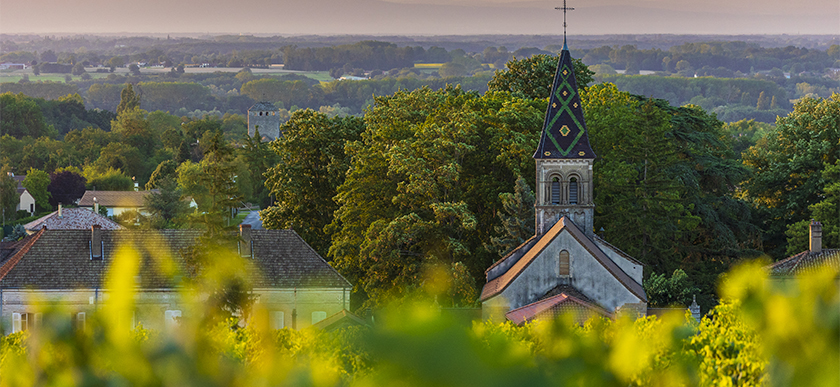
(266, 117)
(564, 157)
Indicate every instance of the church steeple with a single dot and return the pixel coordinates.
(564, 157)
(564, 130)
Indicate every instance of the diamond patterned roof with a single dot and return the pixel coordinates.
(564, 131)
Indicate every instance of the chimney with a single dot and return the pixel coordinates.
(96, 242)
(816, 237)
(245, 240)
(59, 210)
(95, 205)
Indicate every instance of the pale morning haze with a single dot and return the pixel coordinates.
(420, 17)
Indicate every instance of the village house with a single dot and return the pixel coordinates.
(565, 266)
(68, 268)
(115, 202)
(71, 219)
(26, 202)
(815, 258)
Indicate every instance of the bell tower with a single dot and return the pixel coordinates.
(564, 157)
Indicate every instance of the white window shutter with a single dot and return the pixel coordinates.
(15, 322)
(80, 320)
(277, 319)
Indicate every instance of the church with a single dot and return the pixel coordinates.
(565, 266)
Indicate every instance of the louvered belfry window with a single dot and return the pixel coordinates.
(573, 191)
(555, 191)
(565, 269)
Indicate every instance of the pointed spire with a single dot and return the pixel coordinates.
(564, 133)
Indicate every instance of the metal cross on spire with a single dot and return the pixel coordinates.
(564, 8)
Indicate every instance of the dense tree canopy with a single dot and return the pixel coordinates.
(664, 185)
(423, 186)
(66, 187)
(36, 182)
(789, 169)
(532, 77)
(311, 165)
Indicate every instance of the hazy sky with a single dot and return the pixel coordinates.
(420, 17)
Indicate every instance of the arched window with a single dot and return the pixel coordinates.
(573, 191)
(565, 267)
(555, 191)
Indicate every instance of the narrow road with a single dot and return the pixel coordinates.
(253, 219)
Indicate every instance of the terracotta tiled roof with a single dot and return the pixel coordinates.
(554, 306)
(568, 290)
(22, 248)
(72, 219)
(521, 249)
(60, 259)
(805, 261)
(500, 283)
(125, 199)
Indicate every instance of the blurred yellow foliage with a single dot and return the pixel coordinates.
(764, 332)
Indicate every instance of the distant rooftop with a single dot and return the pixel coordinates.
(131, 199)
(72, 219)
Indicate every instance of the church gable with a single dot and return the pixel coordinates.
(565, 255)
(628, 264)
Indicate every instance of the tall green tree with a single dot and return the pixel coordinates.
(788, 167)
(259, 159)
(517, 218)
(423, 187)
(165, 170)
(665, 181)
(9, 198)
(219, 178)
(129, 100)
(532, 77)
(21, 117)
(36, 182)
(311, 165)
(826, 211)
(166, 206)
(66, 187)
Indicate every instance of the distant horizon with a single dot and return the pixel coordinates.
(419, 17)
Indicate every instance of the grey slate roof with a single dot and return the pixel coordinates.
(72, 219)
(126, 199)
(263, 106)
(805, 262)
(60, 259)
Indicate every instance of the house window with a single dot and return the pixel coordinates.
(79, 321)
(277, 319)
(573, 191)
(172, 318)
(555, 191)
(318, 316)
(565, 265)
(25, 321)
(31, 208)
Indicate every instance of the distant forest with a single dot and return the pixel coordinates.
(736, 77)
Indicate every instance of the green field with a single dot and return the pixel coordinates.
(17, 75)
